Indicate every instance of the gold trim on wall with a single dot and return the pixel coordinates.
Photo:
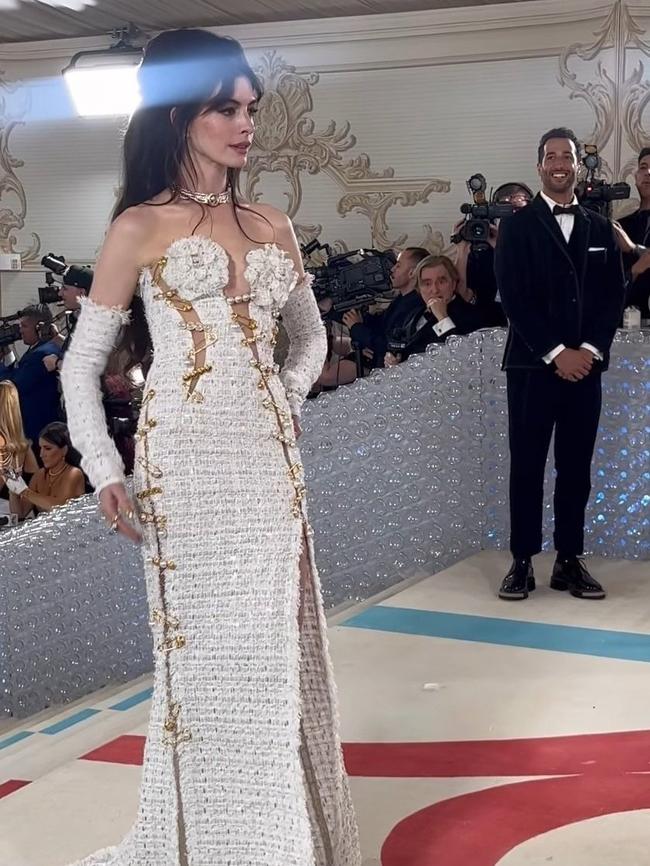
(288, 141)
(12, 221)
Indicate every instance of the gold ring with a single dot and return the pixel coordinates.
(114, 522)
(128, 514)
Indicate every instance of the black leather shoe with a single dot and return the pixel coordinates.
(572, 574)
(519, 581)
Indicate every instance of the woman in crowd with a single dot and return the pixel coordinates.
(16, 456)
(57, 482)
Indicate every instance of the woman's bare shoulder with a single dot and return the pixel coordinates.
(278, 219)
(136, 234)
(139, 220)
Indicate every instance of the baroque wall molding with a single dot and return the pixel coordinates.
(289, 142)
(12, 220)
(616, 97)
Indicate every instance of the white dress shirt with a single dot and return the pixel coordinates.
(444, 326)
(566, 223)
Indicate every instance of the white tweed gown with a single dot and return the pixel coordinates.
(243, 765)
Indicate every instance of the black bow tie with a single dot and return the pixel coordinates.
(571, 209)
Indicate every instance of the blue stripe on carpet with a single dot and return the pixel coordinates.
(68, 722)
(133, 701)
(15, 738)
(505, 632)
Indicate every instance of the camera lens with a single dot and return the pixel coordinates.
(477, 183)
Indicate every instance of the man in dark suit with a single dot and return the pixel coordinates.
(444, 312)
(561, 283)
(637, 228)
(34, 375)
(371, 332)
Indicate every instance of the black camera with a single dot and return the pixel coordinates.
(351, 280)
(9, 330)
(49, 294)
(480, 215)
(400, 339)
(593, 192)
(121, 416)
(71, 275)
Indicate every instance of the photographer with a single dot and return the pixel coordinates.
(70, 297)
(118, 389)
(475, 263)
(33, 375)
(370, 332)
(634, 237)
(446, 312)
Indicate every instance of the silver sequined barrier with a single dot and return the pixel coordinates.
(407, 472)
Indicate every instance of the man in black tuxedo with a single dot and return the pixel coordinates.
(561, 283)
(445, 313)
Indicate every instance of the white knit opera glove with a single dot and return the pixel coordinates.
(308, 344)
(83, 364)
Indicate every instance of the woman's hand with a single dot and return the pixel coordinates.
(17, 485)
(119, 511)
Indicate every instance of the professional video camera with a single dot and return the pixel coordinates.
(351, 280)
(400, 339)
(71, 275)
(479, 215)
(592, 192)
(49, 294)
(9, 330)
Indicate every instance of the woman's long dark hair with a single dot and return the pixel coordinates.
(57, 434)
(183, 73)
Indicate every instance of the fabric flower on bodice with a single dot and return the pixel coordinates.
(196, 266)
(271, 275)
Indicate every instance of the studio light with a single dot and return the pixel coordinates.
(74, 5)
(104, 82)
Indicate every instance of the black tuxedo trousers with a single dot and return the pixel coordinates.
(540, 403)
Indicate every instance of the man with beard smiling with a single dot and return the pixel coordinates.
(561, 283)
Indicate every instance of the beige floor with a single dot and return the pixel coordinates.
(413, 689)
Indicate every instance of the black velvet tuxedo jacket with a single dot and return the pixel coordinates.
(557, 292)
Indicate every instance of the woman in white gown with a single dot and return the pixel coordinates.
(243, 765)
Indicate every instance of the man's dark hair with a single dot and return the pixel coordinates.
(508, 189)
(645, 152)
(417, 254)
(558, 132)
(38, 312)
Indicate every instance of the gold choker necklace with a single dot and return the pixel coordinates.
(212, 199)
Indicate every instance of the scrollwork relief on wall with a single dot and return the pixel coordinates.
(617, 98)
(12, 220)
(288, 141)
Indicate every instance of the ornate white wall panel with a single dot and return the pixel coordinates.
(390, 112)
